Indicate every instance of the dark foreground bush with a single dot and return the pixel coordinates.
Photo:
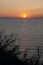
(7, 56)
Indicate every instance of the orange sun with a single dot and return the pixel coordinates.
(24, 15)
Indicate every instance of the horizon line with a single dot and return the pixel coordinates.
(20, 17)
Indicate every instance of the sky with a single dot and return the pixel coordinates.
(16, 8)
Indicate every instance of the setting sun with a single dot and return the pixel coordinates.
(24, 16)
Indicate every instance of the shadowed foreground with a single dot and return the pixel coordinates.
(10, 57)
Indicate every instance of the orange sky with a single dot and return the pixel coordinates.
(16, 8)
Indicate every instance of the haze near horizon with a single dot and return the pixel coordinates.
(21, 8)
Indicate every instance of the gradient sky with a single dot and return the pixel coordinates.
(15, 8)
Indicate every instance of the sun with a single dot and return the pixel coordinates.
(24, 15)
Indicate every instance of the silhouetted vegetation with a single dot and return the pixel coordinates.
(10, 56)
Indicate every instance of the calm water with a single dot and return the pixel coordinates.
(30, 31)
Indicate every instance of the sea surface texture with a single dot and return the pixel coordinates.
(30, 30)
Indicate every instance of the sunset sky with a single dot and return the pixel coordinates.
(17, 8)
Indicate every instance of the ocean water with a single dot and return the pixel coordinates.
(30, 31)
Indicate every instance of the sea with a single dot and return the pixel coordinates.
(29, 30)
